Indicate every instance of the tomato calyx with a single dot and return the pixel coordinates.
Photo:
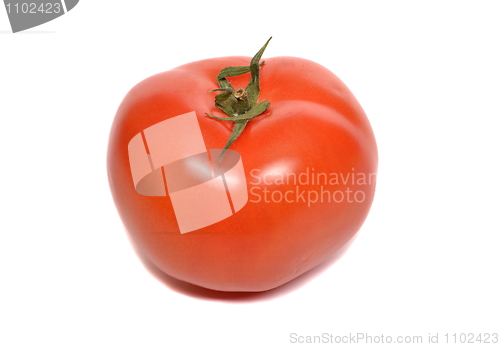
(240, 105)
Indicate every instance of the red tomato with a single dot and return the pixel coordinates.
(309, 165)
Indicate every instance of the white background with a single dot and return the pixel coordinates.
(426, 261)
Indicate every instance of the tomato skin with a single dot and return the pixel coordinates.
(314, 123)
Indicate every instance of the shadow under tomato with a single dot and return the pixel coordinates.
(238, 297)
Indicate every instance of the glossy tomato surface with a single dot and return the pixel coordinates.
(314, 130)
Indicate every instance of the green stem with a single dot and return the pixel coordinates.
(240, 105)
